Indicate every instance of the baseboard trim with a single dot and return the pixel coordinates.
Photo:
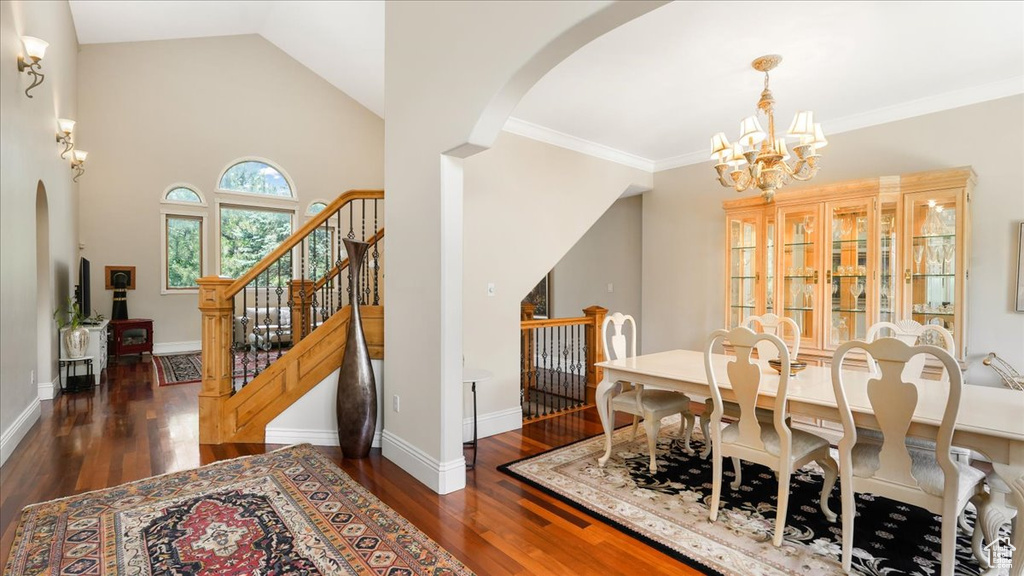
(11, 437)
(441, 477)
(493, 423)
(48, 390)
(315, 437)
(177, 347)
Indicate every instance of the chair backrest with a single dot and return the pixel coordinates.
(774, 324)
(911, 332)
(615, 342)
(893, 401)
(745, 379)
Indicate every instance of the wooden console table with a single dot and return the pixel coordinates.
(133, 336)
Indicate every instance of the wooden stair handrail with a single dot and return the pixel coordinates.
(293, 240)
(334, 271)
(544, 322)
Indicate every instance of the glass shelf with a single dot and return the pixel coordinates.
(935, 236)
(799, 309)
(933, 314)
(849, 275)
(934, 275)
(742, 277)
(807, 276)
(744, 247)
(738, 306)
(849, 241)
(848, 310)
(789, 244)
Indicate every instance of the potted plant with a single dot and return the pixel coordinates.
(75, 336)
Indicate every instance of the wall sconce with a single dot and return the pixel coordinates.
(64, 135)
(34, 50)
(78, 163)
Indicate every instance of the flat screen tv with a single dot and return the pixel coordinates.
(82, 295)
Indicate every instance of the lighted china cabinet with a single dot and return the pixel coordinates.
(838, 258)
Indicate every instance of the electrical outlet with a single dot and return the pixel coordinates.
(32, 376)
(394, 403)
(611, 288)
(490, 288)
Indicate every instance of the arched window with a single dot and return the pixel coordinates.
(256, 177)
(183, 194)
(315, 208)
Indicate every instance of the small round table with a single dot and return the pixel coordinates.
(474, 375)
(74, 379)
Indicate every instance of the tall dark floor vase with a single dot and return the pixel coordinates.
(357, 391)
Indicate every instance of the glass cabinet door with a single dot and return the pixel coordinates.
(743, 236)
(769, 272)
(800, 228)
(849, 291)
(931, 272)
(888, 290)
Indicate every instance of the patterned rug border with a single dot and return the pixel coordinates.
(161, 377)
(674, 554)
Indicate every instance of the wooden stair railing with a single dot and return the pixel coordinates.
(557, 357)
(271, 335)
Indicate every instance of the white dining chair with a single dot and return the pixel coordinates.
(770, 324)
(650, 405)
(911, 332)
(776, 444)
(931, 479)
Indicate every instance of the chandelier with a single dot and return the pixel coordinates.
(766, 157)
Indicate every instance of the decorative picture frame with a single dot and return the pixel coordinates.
(540, 297)
(110, 271)
(1020, 270)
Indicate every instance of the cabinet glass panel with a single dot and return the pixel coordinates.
(849, 263)
(889, 284)
(743, 237)
(770, 265)
(933, 269)
(799, 231)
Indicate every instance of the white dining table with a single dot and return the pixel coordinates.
(991, 420)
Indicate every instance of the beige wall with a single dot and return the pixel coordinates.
(29, 155)
(684, 225)
(158, 113)
(526, 205)
(609, 253)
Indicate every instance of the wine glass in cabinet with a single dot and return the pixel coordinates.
(850, 273)
(799, 259)
(743, 236)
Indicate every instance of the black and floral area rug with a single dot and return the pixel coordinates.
(669, 510)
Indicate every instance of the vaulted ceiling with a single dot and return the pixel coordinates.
(652, 92)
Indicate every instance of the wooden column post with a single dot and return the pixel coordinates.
(300, 294)
(595, 349)
(217, 327)
(526, 349)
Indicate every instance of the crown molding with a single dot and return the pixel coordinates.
(894, 113)
(576, 144)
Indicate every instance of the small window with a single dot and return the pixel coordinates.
(181, 194)
(184, 256)
(315, 208)
(255, 177)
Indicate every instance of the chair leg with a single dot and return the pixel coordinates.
(636, 426)
(849, 511)
(782, 508)
(705, 429)
(831, 468)
(982, 527)
(716, 484)
(949, 514)
(686, 430)
(652, 425)
(738, 480)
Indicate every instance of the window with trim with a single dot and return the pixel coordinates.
(255, 177)
(183, 257)
(183, 195)
(315, 208)
(247, 234)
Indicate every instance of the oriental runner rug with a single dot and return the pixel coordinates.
(289, 511)
(187, 367)
(669, 511)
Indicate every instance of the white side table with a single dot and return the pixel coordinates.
(474, 375)
(74, 381)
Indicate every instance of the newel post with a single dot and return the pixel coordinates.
(217, 326)
(300, 295)
(595, 349)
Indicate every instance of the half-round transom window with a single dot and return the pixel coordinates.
(253, 177)
(182, 194)
(316, 208)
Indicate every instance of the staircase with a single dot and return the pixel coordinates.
(272, 335)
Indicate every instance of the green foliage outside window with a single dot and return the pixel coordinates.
(247, 235)
(184, 251)
(255, 178)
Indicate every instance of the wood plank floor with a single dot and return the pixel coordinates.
(130, 428)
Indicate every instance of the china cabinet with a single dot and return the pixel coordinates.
(838, 258)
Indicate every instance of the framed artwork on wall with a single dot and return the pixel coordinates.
(110, 272)
(1020, 270)
(540, 297)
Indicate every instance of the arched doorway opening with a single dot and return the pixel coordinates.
(45, 334)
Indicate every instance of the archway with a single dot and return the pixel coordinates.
(45, 335)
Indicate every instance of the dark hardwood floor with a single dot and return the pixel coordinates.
(129, 428)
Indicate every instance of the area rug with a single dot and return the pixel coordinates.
(187, 368)
(289, 511)
(669, 510)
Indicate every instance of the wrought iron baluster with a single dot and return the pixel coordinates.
(245, 337)
(337, 264)
(267, 344)
(280, 316)
(351, 236)
(303, 311)
(376, 257)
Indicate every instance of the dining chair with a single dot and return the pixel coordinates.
(776, 444)
(911, 332)
(651, 405)
(931, 479)
(770, 324)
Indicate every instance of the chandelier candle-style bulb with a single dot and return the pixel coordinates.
(766, 156)
(29, 63)
(65, 127)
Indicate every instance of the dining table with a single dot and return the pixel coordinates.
(990, 421)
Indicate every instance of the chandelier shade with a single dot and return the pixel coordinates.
(766, 156)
